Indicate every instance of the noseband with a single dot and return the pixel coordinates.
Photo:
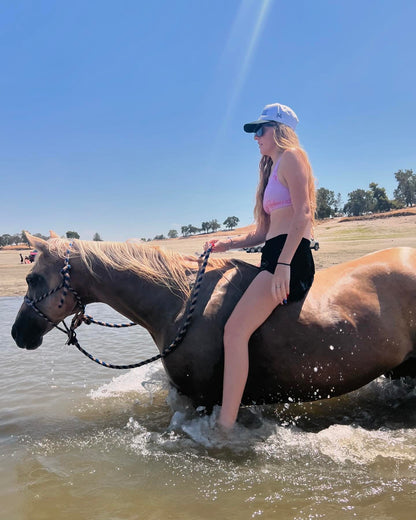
(66, 286)
(80, 317)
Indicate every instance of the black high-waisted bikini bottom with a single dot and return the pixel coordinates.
(302, 266)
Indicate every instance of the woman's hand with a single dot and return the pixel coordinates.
(281, 283)
(218, 246)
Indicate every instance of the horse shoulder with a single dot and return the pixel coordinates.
(225, 287)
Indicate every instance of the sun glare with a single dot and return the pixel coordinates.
(237, 33)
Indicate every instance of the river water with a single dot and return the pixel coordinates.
(79, 441)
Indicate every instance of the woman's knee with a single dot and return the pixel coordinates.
(234, 336)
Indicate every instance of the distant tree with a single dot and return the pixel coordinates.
(16, 239)
(338, 204)
(380, 200)
(39, 235)
(192, 229)
(159, 237)
(173, 233)
(206, 226)
(359, 202)
(97, 238)
(5, 240)
(189, 230)
(72, 234)
(214, 225)
(406, 188)
(325, 202)
(231, 222)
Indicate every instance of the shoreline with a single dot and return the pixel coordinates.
(340, 240)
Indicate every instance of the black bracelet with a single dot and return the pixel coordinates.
(282, 263)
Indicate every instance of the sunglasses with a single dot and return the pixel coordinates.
(260, 130)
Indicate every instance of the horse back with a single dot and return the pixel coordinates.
(375, 294)
(386, 268)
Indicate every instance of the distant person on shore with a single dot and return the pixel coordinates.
(21, 258)
(284, 214)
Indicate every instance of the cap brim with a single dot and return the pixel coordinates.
(251, 128)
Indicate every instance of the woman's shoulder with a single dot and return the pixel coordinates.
(292, 158)
(291, 154)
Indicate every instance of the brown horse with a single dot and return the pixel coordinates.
(357, 322)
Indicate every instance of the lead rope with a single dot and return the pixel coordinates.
(81, 317)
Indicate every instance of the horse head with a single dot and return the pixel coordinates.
(44, 305)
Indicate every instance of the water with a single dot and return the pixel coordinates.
(79, 441)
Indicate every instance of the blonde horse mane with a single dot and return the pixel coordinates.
(152, 263)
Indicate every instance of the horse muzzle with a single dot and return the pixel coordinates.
(26, 337)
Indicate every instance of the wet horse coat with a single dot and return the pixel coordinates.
(356, 323)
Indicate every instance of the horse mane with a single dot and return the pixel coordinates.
(153, 263)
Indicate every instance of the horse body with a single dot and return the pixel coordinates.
(356, 323)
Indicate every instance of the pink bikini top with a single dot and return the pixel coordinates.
(276, 195)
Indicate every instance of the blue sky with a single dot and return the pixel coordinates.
(125, 117)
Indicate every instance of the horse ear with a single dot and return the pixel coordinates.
(53, 234)
(36, 242)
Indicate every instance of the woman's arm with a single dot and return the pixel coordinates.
(250, 239)
(294, 172)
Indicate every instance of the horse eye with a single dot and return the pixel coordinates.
(32, 279)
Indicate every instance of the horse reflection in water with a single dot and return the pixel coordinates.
(357, 321)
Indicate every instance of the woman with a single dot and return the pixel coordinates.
(284, 214)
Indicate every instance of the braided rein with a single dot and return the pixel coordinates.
(80, 317)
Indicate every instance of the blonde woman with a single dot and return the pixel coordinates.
(284, 214)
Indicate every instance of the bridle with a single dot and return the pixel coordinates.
(80, 316)
(66, 286)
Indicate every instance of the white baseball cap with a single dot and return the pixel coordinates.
(275, 113)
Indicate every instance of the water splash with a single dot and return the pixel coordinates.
(359, 428)
(148, 380)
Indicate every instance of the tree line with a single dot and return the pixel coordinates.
(373, 200)
(206, 227)
(328, 204)
(20, 238)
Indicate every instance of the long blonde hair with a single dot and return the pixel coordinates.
(285, 138)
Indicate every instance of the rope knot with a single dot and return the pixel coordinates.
(72, 337)
(77, 320)
(87, 319)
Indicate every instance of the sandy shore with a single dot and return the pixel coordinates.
(339, 241)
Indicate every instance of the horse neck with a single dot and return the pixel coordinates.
(153, 306)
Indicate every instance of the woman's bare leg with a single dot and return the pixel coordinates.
(251, 311)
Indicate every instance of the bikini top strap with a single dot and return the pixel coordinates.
(277, 164)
